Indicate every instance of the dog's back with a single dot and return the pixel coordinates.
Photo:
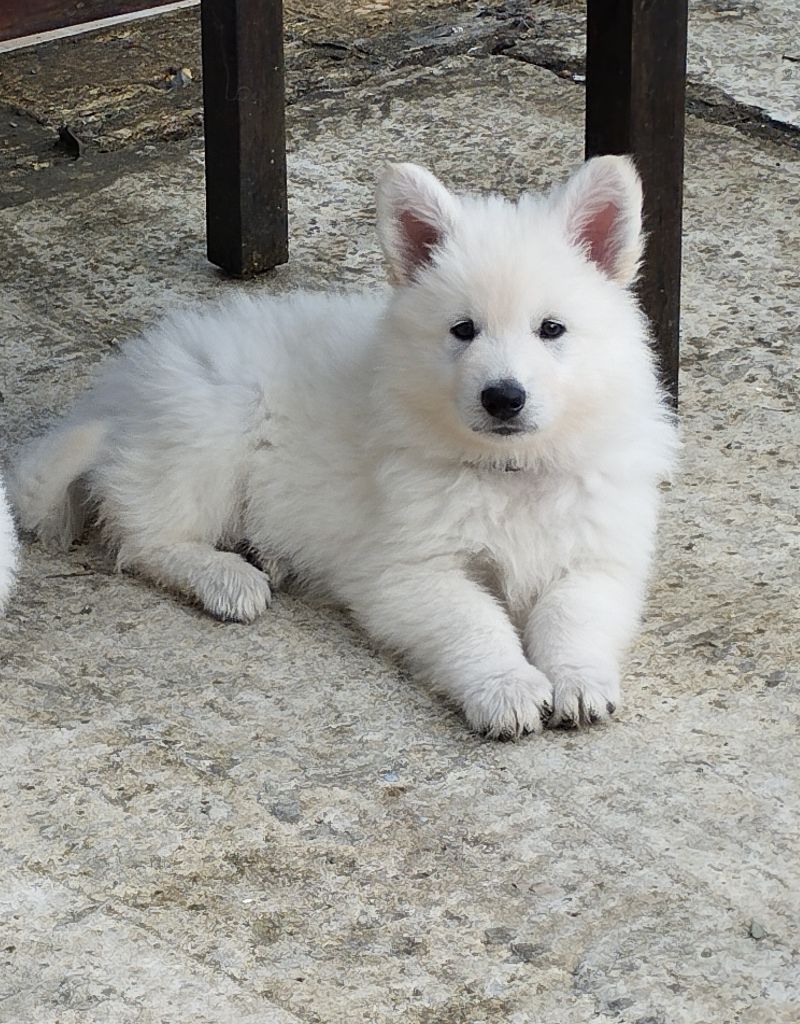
(162, 448)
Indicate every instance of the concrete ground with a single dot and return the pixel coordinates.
(272, 825)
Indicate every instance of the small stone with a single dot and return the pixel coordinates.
(616, 1006)
(527, 952)
(68, 142)
(177, 78)
(757, 931)
(286, 810)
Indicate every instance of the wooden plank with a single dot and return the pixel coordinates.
(635, 103)
(243, 92)
(25, 17)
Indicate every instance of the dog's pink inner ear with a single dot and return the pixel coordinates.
(598, 233)
(419, 239)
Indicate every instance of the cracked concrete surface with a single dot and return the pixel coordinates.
(209, 823)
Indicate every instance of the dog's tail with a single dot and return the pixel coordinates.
(44, 485)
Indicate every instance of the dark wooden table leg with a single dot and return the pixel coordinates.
(635, 103)
(243, 95)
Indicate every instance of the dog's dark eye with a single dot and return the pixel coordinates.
(550, 329)
(464, 330)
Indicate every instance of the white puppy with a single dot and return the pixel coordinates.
(8, 550)
(470, 464)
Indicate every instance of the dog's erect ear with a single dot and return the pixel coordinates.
(415, 213)
(602, 205)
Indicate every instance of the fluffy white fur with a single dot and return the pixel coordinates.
(343, 438)
(8, 550)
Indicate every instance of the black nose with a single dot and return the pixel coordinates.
(503, 400)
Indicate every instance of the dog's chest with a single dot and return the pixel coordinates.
(522, 528)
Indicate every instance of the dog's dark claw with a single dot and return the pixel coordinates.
(610, 708)
(593, 717)
(546, 712)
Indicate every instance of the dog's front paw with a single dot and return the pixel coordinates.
(510, 706)
(583, 697)
(241, 594)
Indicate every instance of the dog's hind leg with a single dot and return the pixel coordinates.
(222, 582)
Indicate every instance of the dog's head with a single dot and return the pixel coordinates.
(511, 322)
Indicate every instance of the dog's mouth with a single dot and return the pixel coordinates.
(502, 430)
(507, 431)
